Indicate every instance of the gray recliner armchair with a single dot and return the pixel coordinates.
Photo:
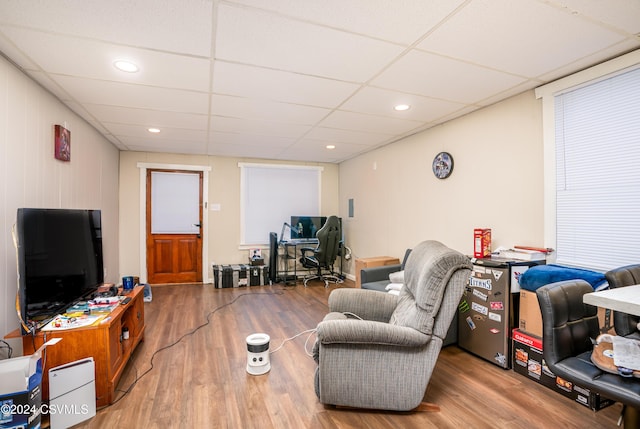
(377, 350)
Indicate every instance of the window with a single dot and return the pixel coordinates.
(592, 152)
(271, 194)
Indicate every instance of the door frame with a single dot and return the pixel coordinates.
(205, 169)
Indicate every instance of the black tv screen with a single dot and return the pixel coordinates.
(59, 259)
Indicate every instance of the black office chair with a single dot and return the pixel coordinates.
(324, 255)
(568, 326)
(626, 325)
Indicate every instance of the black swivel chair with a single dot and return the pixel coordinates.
(324, 255)
(626, 325)
(568, 325)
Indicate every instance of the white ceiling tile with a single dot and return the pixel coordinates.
(525, 86)
(230, 139)
(255, 127)
(310, 152)
(16, 55)
(319, 148)
(400, 22)
(147, 117)
(518, 37)
(346, 136)
(291, 76)
(596, 58)
(249, 108)
(444, 78)
(166, 25)
(166, 134)
(255, 37)
(370, 123)
(241, 151)
(622, 14)
(49, 84)
(117, 143)
(136, 96)
(381, 102)
(53, 52)
(171, 146)
(261, 83)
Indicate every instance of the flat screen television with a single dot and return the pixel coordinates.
(59, 260)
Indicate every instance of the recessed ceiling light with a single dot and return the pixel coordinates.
(126, 66)
(154, 130)
(331, 146)
(402, 107)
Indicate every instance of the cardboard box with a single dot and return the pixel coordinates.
(482, 242)
(530, 318)
(21, 390)
(528, 361)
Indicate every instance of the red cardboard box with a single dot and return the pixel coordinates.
(528, 361)
(482, 242)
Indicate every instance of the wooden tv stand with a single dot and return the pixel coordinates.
(103, 342)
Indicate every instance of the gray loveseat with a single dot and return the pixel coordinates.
(377, 278)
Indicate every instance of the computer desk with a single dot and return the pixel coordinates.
(294, 245)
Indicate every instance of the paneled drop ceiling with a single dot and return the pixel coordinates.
(282, 79)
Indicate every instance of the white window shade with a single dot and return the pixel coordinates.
(175, 203)
(272, 193)
(597, 137)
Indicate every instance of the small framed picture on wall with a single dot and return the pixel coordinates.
(62, 143)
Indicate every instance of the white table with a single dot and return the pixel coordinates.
(624, 299)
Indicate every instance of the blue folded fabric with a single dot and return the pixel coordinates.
(541, 275)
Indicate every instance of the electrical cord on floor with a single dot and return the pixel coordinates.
(310, 331)
(193, 331)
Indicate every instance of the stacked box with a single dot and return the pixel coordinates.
(240, 275)
(528, 361)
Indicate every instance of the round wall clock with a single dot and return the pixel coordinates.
(442, 165)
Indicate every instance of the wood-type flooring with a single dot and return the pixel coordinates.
(190, 372)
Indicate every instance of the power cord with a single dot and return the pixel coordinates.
(7, 346)
(193, 331)
(309, 331)
(31, 328)
(348, 313)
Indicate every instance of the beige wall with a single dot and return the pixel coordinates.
(224, 189)
(31, 177)
(496, 183)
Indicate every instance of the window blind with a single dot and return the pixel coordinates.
(271, 194)
(597, 136)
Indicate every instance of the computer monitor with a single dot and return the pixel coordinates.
(306, 226)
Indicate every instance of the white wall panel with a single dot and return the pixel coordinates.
(30, 176)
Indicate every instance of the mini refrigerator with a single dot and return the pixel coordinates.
(488, 310)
